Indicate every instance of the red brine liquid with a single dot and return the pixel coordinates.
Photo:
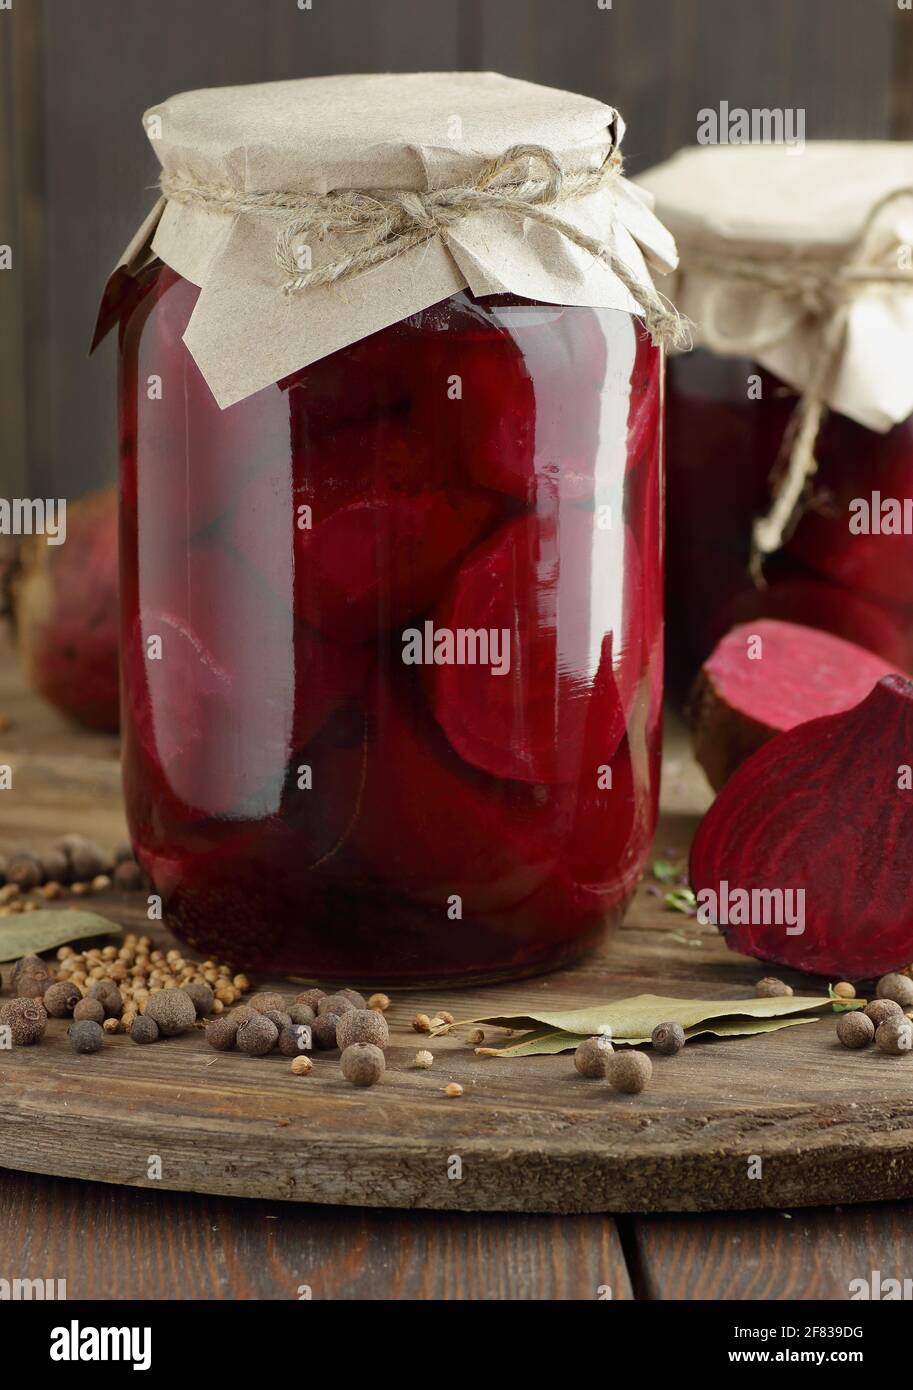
(392, 640)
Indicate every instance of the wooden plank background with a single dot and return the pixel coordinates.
(76, 171)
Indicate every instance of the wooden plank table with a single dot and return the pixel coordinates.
(157, 1243)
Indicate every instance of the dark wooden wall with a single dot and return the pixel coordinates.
(76, 171)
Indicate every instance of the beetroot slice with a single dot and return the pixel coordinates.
(557, 584)
(821, 809)
(740, 701)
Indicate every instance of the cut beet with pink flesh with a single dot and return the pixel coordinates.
(526, 585)
(823, 810)
(766, 677)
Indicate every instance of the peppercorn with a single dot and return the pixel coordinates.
(629, 1071)
(421, 1023)
(423, 1059)
(897, 987)
(311, 997)
(591, 1056)
(297, 1037)
(173, 1011)
(880, 1010)
(301, 1013)
(363, 1064)
(144, 1029)
(302, 1065)
(668, 1038)
(24, 870)
(86, 1036)
(323, 1031)
(109, 996)
(257, 1035)
(60, 999)
(356, 999)
(128, 876)
(277, 1016)
(855, 1029)
(476, 1037)
(895, 1036)
(362, 1026)
(202, 996)
(221, 1032)
(453, 1089)
(772, 988)
(844, 990)
(267, 999)
(26, 1020)
(334, 1004)
(380, 1002)
(32, 986)
(89, 1011)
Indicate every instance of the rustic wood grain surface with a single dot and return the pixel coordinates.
(529, 1134)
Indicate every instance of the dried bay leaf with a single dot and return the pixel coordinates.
(638, 1016)
(541, 1043)
(27, 934)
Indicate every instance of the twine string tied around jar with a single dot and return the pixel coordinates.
(822, 292)
(527, 181)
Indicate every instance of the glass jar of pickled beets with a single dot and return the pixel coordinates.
(842, 568)
(392, 639)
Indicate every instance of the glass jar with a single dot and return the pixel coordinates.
(391, 634)
(723, 446)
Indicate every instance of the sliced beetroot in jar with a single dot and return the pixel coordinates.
(550, 587)
(822, 810)
(432, 827)
(766, 677)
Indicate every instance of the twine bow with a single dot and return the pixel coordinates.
(813, 291)
(386, 223)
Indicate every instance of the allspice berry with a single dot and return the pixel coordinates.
(257, 1035)
(301, 1013)
(302, 1065)
(30, 986)
(144, 1029)
(895, 1036)
(295, 1039)
(222, 1031)
(358, 1000)
(26, 1020)
(89, 1011)
(772, 988)
(128, 876)
(591, 1056)
(880, 1010)
(60, 999)
(86, 859)
(668, 1038)
(23, 870)
(109, 996)
(311, 997)
(54, 865)
(279, 1017)
(28, 965)
(896, 987)
(267, 999)
(629, 1071)
(86, 1036)
(173, 1011)
(334, 1004)
(323, 1030)
(362, 1026)
(363, 1064)
(202, 997)
(855, 1029)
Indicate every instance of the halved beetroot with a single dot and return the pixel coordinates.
(766, 677)
(555, 584)
(431, 827)
(824, 810)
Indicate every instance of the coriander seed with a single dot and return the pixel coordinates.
(380, 1002)
(302, 1065)
(421, 1023)
(423, 1060)
(844, 990)
(453, 1089)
